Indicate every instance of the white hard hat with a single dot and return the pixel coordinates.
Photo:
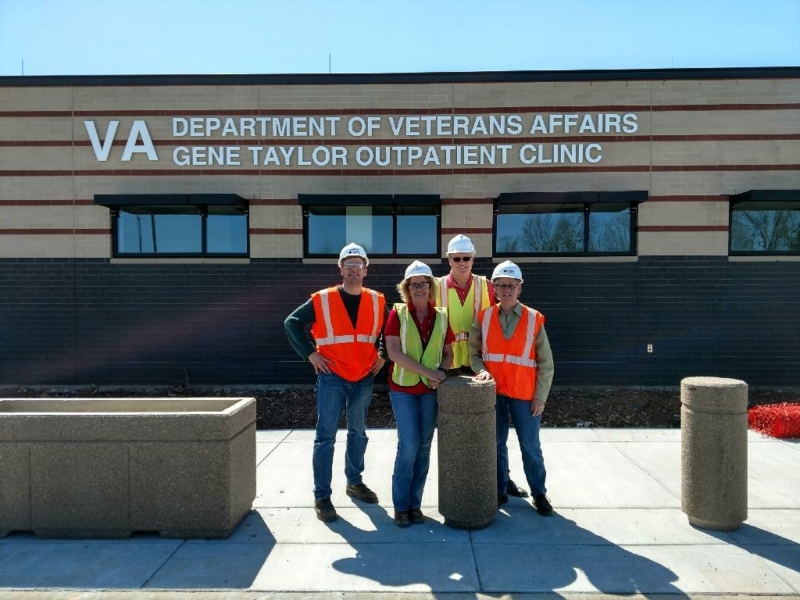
(460, 243)
(353, 250)
(507, 269)
(418, 268)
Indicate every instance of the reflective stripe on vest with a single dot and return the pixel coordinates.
(523, 360)
(462, 316)
(346, 339)
(409, 378)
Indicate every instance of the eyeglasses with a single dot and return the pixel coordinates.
(419, 286)
(460, 258)
(357, 266)
(506, 286)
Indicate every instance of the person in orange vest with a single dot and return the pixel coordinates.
(418, 339)
(346, 322)
(465, 295)
(508, 343)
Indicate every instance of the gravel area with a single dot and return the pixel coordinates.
(294, 408)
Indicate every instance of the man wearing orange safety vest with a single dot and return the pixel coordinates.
(508, 343)
(465, 295)
(346, 321)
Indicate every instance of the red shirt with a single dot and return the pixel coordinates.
(424, 328)
(462, 292)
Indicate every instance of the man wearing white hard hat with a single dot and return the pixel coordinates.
(418, 340)
(465, 295)
(346, 321)
(508, 343)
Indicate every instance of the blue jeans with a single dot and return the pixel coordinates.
(527, 427)
(334, 394)
(416, 420)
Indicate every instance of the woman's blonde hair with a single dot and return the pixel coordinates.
(433, 289)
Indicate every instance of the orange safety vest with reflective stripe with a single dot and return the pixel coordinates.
(512, 363)
(462, 316)
(352, 351)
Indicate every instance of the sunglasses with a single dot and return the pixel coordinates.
(353, 265)
(419, 286)
(460, 258)
(505, 286)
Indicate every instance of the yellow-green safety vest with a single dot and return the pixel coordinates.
(411, 344)
(462, 316)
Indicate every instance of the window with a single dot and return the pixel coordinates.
(384, 225)
(566, 224)
(174, 225)
(765, 222)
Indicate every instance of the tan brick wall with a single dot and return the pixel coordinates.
(683, 243)
(688, 213)
(343, 101)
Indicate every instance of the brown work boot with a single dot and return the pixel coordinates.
(324, 509)
(361, 492)
(542, 504)
(401, 518)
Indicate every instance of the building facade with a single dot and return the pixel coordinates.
(158, 229)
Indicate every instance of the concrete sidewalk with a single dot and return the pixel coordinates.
(618, 530)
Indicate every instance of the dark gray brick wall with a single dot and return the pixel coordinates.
(88, 321)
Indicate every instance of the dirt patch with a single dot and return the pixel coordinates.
(295, 408)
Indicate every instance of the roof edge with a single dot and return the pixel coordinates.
(784, 72)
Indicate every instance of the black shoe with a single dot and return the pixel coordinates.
(513, 490)
(502, 499)
(401, 518)
(361, 492)
(542, 504)
(416, 516)
(324, 509)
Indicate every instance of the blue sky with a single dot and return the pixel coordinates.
(80, 37)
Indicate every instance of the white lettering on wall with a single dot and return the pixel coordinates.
(139, 131)
(323, 131)
(101, 151)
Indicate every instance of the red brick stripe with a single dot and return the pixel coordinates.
(661, 228)
(449, 110)
(268, 231)
(46, 202)
(55, 231)
(391, 172)
(722, 137)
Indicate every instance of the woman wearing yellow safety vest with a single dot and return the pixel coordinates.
(418, 341)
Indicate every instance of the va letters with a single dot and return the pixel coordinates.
(102, 149)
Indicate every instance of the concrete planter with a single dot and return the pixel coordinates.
(105, 468)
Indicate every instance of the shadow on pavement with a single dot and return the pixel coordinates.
(574, 558)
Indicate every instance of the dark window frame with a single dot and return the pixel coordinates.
(760, 197)
(587, 200)
(118, 202)
(393, 200)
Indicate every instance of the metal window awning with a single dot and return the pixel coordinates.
(571, 197)
(116, 200)
(766, 196)
(368, 199)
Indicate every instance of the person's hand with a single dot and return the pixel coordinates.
(320, 363)
(435, 378)
(537, 408)
(483, 376)
(377, 365)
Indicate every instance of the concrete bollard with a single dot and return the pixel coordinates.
(467, 453)
(714, 452)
